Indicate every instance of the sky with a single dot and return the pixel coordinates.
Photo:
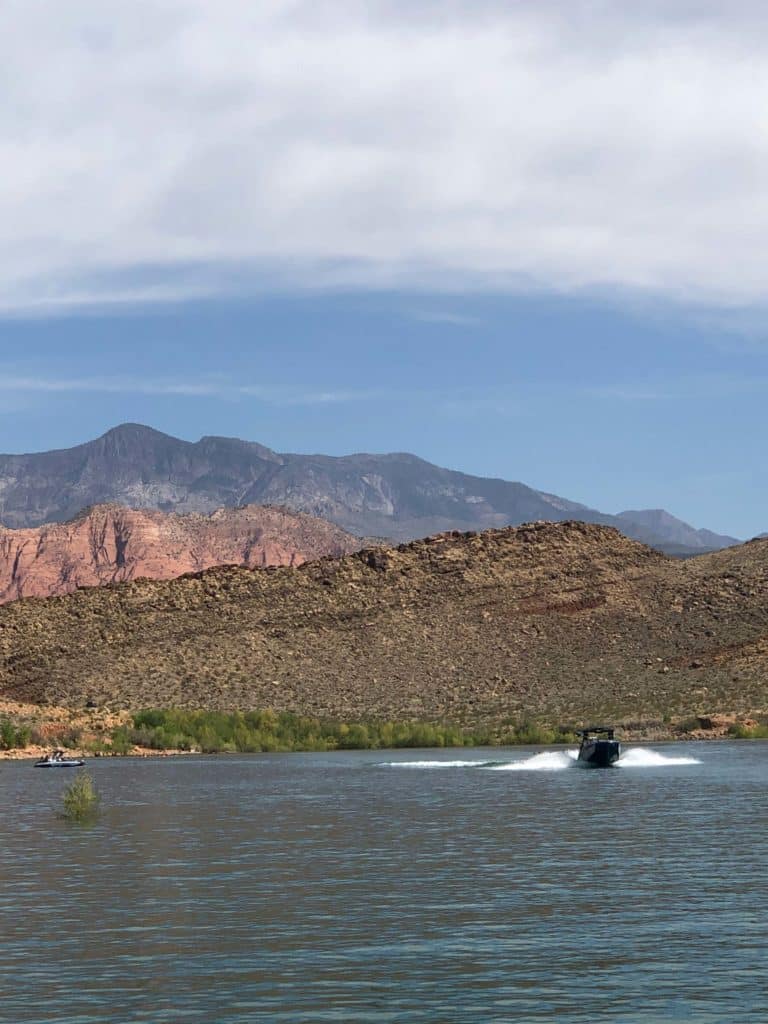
(522, 240)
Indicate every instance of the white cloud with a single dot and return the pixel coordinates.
(167, 148)
(17, 384)
(436, 316)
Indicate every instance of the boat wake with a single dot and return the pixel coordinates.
(641, 757)
(547, 761)
(552, 761)
(434, 764)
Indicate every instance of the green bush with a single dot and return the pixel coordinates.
(740, 731)
(13, 736)
(533, 732)
(81, 799)
(70, 737)
(7, 734)
(23, 735)
(121, 742)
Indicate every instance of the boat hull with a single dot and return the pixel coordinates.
(599, 753)
(59, 764)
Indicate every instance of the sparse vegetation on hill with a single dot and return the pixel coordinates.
(556, 622)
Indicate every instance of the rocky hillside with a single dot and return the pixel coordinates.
(108, 544)
(397, 496)
(565, 621)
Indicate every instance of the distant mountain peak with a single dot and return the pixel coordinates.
(659, 522)
(396, 495)
(135, 430)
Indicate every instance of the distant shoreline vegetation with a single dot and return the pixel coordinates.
(216, 732)
(265, 731)
(739, 731)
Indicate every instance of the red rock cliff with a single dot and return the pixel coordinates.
(109, 543)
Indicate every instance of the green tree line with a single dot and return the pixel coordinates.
(266, 730)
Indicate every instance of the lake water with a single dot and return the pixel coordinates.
(391, 887)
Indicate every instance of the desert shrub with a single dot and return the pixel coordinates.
(265, 730)
(356, 737)
(68, 737)
(23, 735)
(98, 746)
(565, 734)
(120, 742)
(7, 734)
(739, 731)
(534, 733)
(690, 724)
(14, 736)
(81, 800)
(151, 718)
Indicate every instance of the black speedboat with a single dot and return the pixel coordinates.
(598, 747)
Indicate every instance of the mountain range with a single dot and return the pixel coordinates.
(563, 621)
(394, 496)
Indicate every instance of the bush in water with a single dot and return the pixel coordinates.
(81, 799)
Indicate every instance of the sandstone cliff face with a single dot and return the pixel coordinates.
(567, 621)
(109, 544)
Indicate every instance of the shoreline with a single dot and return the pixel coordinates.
(146, 753)
(53, 726)
(41, 728)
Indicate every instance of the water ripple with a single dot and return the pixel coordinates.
(311, 888)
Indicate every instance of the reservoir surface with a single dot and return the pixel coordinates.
(488, 886)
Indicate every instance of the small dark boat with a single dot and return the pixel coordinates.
(598, 747)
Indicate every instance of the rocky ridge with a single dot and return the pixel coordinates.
(111, 544)
(560, 621)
